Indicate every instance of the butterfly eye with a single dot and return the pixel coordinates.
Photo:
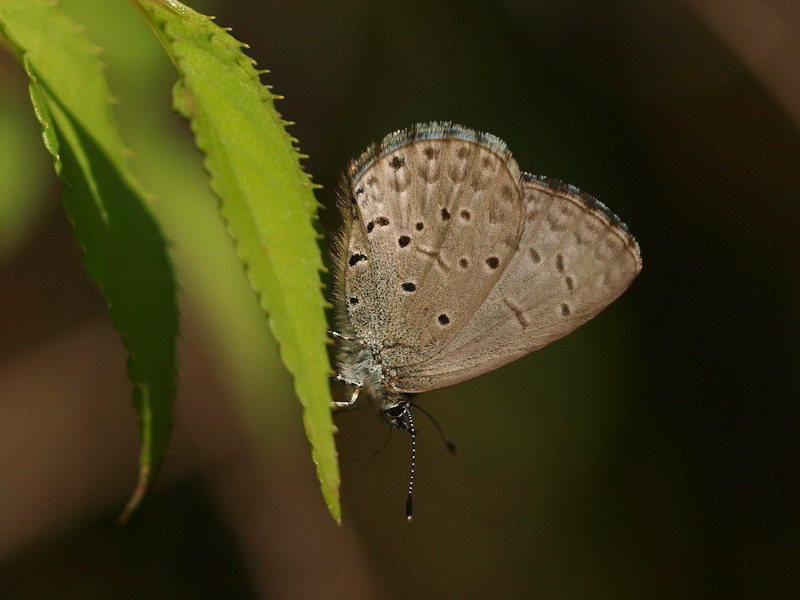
(398, 416)
(396, 411)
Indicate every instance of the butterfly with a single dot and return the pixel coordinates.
(452, 262)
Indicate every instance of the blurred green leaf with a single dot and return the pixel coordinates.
(267, 202)
(122, 247)
(22, 197)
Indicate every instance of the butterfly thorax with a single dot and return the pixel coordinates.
(361, 365)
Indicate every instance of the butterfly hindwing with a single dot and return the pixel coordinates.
(574, 258)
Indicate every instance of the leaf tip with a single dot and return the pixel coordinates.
(138, 494)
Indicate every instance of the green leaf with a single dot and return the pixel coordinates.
(267, 202)
(122, 247)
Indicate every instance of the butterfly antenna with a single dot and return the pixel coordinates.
(413, 432)
(448, 442)
(378, 451)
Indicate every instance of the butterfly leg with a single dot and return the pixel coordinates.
(341, 336)
(357, 387)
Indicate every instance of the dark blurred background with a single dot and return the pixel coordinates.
(651, 454)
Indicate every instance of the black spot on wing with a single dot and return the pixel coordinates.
(356, 258)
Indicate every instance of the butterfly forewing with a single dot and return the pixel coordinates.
(436, 219)
(574, 258)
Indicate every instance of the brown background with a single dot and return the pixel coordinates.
(650, 455)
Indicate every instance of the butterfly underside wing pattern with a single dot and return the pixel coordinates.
(453, 262)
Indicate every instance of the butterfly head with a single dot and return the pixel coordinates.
(397, 413)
